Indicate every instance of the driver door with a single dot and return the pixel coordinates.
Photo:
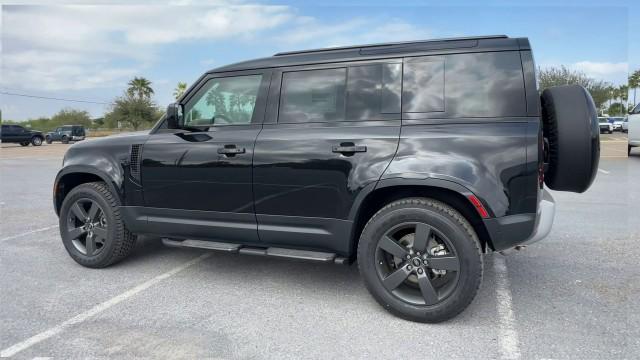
(198, 182)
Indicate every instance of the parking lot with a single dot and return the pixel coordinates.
(574, 295)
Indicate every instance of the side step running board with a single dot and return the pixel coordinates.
(248, 250)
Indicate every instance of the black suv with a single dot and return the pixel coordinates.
(412, 158)
(20, 135)
(65, 134)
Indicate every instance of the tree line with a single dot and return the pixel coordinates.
(135, 108)
(608, 98)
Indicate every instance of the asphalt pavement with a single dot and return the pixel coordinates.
(574, 295)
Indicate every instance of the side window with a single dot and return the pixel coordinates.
(312, 96)
(464, 85)
(359, 92)
(224, 101)
(636, 110)
(17, 129)
(373, 90)
(423, 87)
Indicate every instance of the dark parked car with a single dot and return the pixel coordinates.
(20, 135)
(412, 158)
(66, 133)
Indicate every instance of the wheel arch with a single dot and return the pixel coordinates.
(389, 190)
(69, 178)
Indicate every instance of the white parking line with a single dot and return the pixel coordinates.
(14, 349)
(28, 233)
(508, 339)
(604, 171)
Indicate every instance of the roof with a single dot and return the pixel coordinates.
(383, 50)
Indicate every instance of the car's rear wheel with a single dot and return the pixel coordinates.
(24, 143)
(48, 139)
(92, 228)
(420, 259)
(65, 139)
(36, 141)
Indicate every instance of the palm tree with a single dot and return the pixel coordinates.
(634, 83)
(140, 87)
(180, 89)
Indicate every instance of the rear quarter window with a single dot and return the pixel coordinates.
(464, 85)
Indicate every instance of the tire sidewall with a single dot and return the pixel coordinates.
(48, 140)
(87, 191)
(65, 140)
(36, 141)
(466, 248)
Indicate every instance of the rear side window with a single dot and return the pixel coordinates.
(354, 93)
(464, 85)
(313, 96)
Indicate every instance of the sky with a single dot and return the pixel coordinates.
(89, 50)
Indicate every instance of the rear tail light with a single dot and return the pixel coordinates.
(479, 207)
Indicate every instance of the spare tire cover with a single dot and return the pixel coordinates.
(570, 124)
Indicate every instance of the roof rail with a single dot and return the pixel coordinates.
(340, 48)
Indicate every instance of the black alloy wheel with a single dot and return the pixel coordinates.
(420, 259)
(417, 263)
(87, 227)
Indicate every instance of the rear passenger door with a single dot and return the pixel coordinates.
(330, 132)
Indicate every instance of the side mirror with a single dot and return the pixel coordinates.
(174, 116)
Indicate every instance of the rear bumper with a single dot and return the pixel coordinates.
(544, 220)
(512, 230)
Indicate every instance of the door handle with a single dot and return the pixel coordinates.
(349, 148)
(231, 150)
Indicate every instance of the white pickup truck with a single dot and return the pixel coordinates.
(634, 128)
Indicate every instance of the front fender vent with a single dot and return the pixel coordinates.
(134, 167)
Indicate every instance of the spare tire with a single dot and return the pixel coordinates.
(570, 125)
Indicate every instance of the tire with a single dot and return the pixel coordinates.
(112, 241)
(48, 140)
(65, 139)
(570, 124)
(24, 143)
(410, 300)
(36, 141)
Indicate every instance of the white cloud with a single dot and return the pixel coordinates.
(602, 69)
(54, 48)
(80, 47)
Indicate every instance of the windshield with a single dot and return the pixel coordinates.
(636, 110)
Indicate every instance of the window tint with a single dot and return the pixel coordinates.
(319, 95)
(636, 110)
(373, 90)
(485, 85)
(423, 88)
(477, 85)
(224, 101)
(312, 96)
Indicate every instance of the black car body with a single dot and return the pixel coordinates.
(66, 133)
(20, 135)
(313, 143)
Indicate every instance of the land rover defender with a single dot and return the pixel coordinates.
(411, 158)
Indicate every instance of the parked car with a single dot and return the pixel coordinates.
(617, 123)
(634, 128)
(66, 133)
(605, 125)
(20, 135)
(625, 125)
(413, 158)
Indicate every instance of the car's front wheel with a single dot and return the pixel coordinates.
(420, 259)
(48, 139)
(92, 228)
(36, 141)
